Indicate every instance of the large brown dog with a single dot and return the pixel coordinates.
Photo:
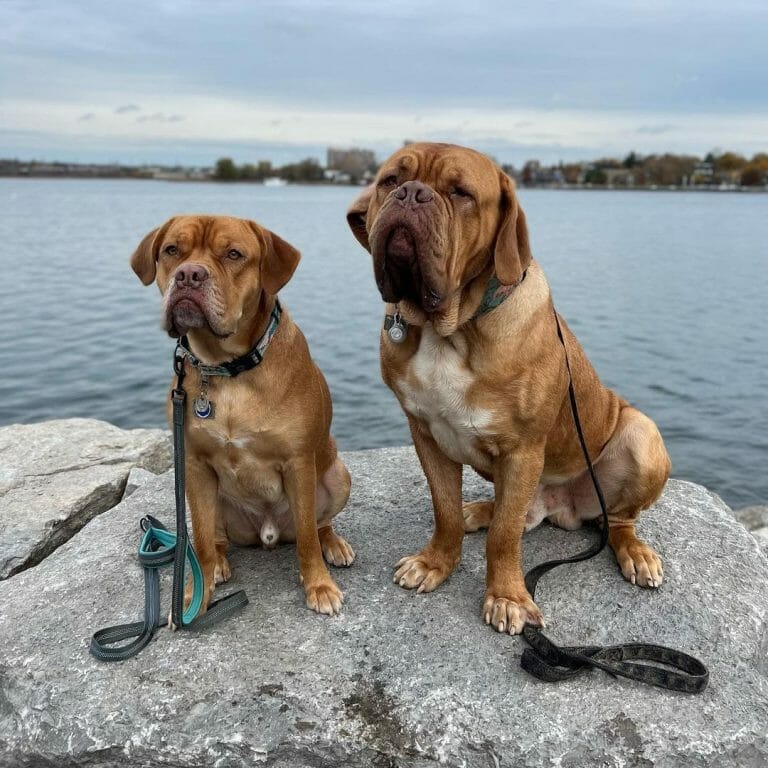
(484, 383)
(264, 468)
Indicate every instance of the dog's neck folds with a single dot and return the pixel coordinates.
(481, 295)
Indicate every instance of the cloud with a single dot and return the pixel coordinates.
(160, 117)
(655, 130)
(187, 121)
(339, 71)
(87, 117)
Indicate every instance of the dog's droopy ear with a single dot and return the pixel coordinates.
(357, 216)
(512, 252)
(144, 259)
(278, 262)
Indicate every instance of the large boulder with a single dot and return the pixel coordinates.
(398, 679)
(55, 476)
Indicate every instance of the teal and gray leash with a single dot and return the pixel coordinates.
(160, 547)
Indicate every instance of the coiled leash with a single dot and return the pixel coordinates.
(651, 664)
(160, 547)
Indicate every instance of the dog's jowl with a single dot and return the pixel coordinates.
(261, 465)
(481, 376)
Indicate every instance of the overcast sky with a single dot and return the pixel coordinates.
(187, 82)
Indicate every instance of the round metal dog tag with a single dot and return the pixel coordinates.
(203, 407)
(397, 334)
(397, 331)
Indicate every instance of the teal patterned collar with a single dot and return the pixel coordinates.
(495, 294)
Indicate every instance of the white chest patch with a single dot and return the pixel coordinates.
(435, 391)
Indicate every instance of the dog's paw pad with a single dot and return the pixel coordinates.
(420, 573)
(325, 598)
(477, 515)
(507, 615)
(222, 572)
(338, 552)
(641, 565)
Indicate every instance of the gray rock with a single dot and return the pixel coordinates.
(753, 517)
(755, 520)
(57, 475)
(761, 536)
(399, 679)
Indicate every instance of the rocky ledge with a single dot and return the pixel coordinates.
(398, 679)
(58, 475)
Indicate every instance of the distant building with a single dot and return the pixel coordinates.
(619, 177)
(337, 177)
(357, 164)
(703, 173)
(534, 175)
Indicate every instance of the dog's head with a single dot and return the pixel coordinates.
(436, 217)
(211, 271)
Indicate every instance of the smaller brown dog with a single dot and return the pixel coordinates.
(261, 465)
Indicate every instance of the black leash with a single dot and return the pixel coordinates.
(158, 548)
(658, 665)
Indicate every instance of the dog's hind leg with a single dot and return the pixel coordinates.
(632, 470)
(222, 572)
(301, 488)
(332, 496)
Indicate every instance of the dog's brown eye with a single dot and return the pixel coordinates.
(171, 250)
(460, 192)
(234, 254)
(388, 181)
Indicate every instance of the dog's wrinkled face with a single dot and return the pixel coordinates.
(211, 271)
(434, 219)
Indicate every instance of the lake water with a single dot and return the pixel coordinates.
(666, 291)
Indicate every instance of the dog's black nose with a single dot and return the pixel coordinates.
(191, 275)
(414, 192)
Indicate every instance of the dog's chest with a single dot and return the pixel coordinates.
(435, 390)
(245, 475)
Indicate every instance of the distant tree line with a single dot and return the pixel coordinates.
(308, 170)
(715, 169)
(664, 170)
(358, 166)
(344, 166)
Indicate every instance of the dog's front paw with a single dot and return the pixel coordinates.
(511, 614)
(423, 572)
(325, 598)
(640, 564)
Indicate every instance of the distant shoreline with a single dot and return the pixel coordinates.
(697, 188)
